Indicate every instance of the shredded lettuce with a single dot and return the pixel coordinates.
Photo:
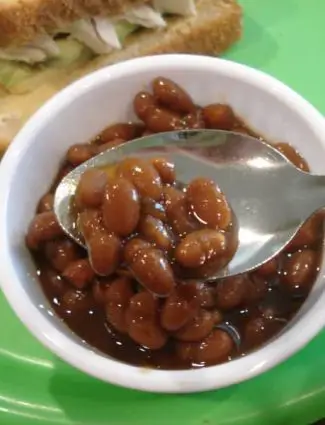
(41, 49)
(124, 29)
(144, 16)
(12, 73)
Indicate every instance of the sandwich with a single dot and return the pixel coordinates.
(47, 44)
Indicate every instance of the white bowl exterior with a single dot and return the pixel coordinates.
(82, 111)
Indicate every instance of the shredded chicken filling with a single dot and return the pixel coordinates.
(101, 35)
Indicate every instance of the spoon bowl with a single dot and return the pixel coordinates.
(270, 197)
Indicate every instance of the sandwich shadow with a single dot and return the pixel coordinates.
(256, 48)
(258, 45)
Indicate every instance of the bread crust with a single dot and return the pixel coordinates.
(22, 20)
(215, 28)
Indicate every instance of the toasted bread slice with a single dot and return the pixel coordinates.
(216, 26)
(22, 20)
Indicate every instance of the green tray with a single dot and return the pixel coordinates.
(286, 39)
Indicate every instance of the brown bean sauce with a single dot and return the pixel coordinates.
(165, 322)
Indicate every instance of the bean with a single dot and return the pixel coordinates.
(118, 298)
(61, 252)
(177, 213)
(217, 316)
(124, 272)
(218, 116)
(121, 131)
(299, 270)
(79, 273)
(172, 96)
(199, 247)
(180, 307)
(269, 269)
(74, 302)
(186, 351)
(46, 203)
(104, 253)
(310, 233)
(43, 228)
(90, 189)
(147, 333)
(194, 120)
(166, 170)
(154, 230)
(143, 102)
(171, 197)
(153, 208)
(241, 129)
(210, 268)
(90, 222)
(109, 145)
(147, 133)
(77, 154)
(292, 155)
(143, 175)
(208, 203)
(216, 348)
(232, 240)
(259, 330)
(133, 248)
(256, 331)
(121, 207)
(143, 306)
(152, 269)
(160, 120)
(230, 292)
(198, 328)
(100, 289)
(273, 309)
(53, 282)
(256, 289)
(206, 295)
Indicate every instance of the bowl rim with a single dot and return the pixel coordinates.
(91, 362)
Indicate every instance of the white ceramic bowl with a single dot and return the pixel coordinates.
(83, 110)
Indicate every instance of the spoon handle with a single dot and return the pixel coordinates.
(308, 194)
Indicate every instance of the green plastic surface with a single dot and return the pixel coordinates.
(285, 38)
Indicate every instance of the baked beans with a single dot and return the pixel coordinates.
(208, 203)
(120, 207)
(136, 292)
(172, 96)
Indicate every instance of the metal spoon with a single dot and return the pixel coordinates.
(270, 197)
